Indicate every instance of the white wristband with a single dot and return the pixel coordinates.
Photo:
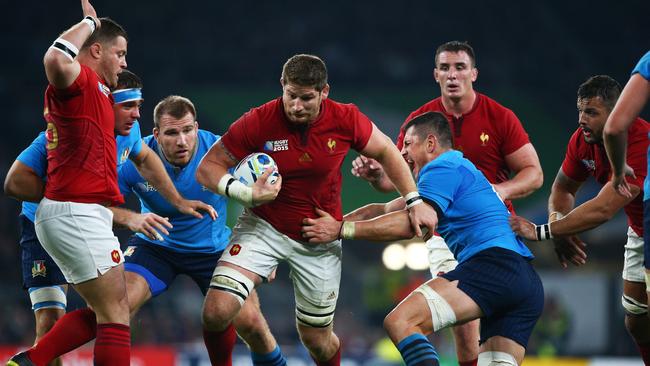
(91, 23)
(412, 199)
(230, 187)
(347, 230)
(543, 232)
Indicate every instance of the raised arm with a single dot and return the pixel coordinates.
(60, 60)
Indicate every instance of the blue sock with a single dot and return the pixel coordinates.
(416, 350)
(273, 358)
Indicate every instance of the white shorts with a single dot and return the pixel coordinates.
(315, 269)
(79, 237)
(441, 260)
(633, 268)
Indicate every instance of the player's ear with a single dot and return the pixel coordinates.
(326, 91)
(156, 133)
(196, 125)
(435, 75)
(474, 74)
(95, 50)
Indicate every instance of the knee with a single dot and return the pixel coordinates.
(249, 322)
(393, 322)
(316, 340)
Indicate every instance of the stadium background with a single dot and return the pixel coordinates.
(227, 57)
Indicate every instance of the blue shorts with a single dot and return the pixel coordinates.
(646, 234)
(160, 265)
(39, 269)
(506, 288)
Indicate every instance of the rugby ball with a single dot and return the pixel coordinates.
(253, 166)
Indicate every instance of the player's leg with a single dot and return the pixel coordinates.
(79, 238)
(466, 336)
(316, 276)
(435, 305)
(634, 299)
(501, 351)
(253, 329)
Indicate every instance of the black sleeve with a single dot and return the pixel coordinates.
(434, 205)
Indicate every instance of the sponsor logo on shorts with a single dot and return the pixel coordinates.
(235, 249)
(115, 256)
(38, 269)
(129, 251)
(276, 145)
(332, 296)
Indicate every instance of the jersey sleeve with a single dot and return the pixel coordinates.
(439, 183)
(513, 135)
(126, 177)
(35, 155)
(643, 66)
(362, 129)
(136, 140)
(240, 138)
(82, 81)
(572, 165)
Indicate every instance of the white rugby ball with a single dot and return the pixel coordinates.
(253, 166)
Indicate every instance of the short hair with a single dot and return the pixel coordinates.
(305, 70)
(431, 123)
(175, 106)
(455, 47)
(128, 80)
(107, 33)
(602, 86)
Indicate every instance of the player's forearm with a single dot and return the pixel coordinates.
(152, 169)
(392, 226)
(616, 146)
(397, 170)
(24, 185)
(383, 184)
(525, 182)
(366, 212)
(584, 217)
(122, 217)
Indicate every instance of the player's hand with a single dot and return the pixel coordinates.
(150, 225)
(89, 10)
(195, 207)
(620, 184)
(423, 215)
(523, 227)
(323, 229)
(271, 277)
(570, 249)
(263, 191)
(367, 168)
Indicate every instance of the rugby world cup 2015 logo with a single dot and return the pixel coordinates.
(235, 249)
(276, 145)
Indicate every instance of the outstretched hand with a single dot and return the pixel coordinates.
(523, 227)
(570, 249)
(367, 168)
(323, 229)
(195, 207)
(150, 225)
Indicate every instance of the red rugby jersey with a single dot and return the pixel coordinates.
(81, 147)
(485, 135)
(583, 159)
(309, 160)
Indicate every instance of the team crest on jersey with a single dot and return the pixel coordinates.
(484, 138)
(235, 249)
(38, 269)
(115, 256)
(129, 251)
(331, 144)
(589, 164)
(125, 155)
(276, 145)
(103, 89)
(304, 158)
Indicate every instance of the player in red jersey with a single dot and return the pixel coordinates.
(308, 135)
(489, 135)
(72, 222)
(585, 156)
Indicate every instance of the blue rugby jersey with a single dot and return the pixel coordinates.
(189, 234)
(35, 157)
(643, 68)
(473, 217)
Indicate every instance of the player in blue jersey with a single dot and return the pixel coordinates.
(25, 181)
(634, 97)
(192, 246)
(474, 223)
